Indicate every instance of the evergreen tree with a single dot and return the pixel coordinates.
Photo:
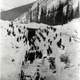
(69, 13)
(43, 16)
(30, 16)
(37, 12)
(59, 15)
(51, 17)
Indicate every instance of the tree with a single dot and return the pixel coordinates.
(37, 12)
(59, 15)
(30, 12)
(43, 16)
(69, 13)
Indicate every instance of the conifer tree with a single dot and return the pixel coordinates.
(37, 12)
(43, 16)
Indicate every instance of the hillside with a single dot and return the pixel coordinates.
(16, 12)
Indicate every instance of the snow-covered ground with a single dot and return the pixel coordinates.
(10, 56)
(13, 48)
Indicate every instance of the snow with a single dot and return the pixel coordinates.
(10, 70)
(73, 28)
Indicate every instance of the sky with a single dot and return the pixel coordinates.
(9, 4)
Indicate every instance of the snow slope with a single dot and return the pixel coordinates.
(14, 43)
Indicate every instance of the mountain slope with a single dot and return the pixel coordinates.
(16, 12)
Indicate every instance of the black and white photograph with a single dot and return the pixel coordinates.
(39, 39)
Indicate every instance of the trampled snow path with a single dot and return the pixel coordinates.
(13, 49)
